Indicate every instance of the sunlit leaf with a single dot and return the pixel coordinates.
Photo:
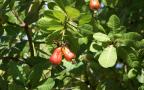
(59, 15)
(73, 13)
(101, 37)
(108, 57)
(132, 73)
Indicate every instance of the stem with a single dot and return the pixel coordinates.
(93, 21)
(72, 25)
(63, 34)
(65, 28)
(27, 29)
(73, 28)
(94, 13)
(76, 32)
(28, 32)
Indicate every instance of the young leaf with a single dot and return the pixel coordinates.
(114, 22)
(108, 57)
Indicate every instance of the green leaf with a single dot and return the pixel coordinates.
(101, 37)
(70, 66)
(14, 86)
(51, 4)
(92, 47)
(100, 27)
(56, 27)
(86, 29)
(35, 75)
(43, 22)
(114, 22)
(60, 3)
(73, 13)
(101, 86)
(16, 71)
(95, 47)
(59, 15)
(141, 77)
(129, 39)
(83, 40)
(140, 44)
(47, 85)
(86, 18)
(49, 14)
(132, 36)
(141, 87)
(132, 73)
(135, 64)
(12, 18)
(33, 13)
(128, 54)
(46, 23)
(108, 57)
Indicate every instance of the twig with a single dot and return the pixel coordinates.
(27, 29)
(28, 32)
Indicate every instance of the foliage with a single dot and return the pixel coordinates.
(108, 43)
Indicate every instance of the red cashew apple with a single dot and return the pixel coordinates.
(94, 4)
(56, 57)
(69, 55)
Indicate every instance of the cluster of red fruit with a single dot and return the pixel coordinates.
(56, 57)
(94, 4)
